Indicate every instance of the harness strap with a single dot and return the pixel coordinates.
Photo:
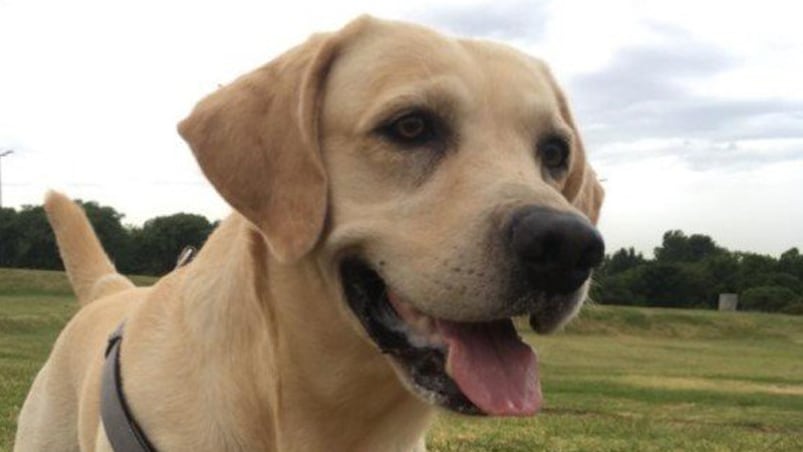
(124, 434)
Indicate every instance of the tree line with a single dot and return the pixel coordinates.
(27, 241)
(688, 271)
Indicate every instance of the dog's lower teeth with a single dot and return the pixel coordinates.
(421, 338)
(418, 341)
(427, 341)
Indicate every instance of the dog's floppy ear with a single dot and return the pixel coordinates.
(582, 187)
(256, 140)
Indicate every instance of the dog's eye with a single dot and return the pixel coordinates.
(410, 127)
(554, 152)
(414, 128)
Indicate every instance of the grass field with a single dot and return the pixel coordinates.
(618, 379)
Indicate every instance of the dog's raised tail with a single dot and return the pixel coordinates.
(89, 269)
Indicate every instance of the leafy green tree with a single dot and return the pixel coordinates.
(35, 242)
(794, 307)
(116, 240)
(674, 247)
(768, 298)
(753, 269)
(161, 239)
(700, 247)
(791, 262)
(669, 285)
(623, 260)
(617, 288)
(722, 272)
(677, 247)
(9, 237)
(780, 279)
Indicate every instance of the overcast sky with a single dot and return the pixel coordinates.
(692, 111)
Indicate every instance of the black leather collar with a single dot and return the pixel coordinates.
(124, 434)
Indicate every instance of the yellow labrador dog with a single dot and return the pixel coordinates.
(399, 196)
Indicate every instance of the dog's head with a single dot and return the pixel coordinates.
(441, 182)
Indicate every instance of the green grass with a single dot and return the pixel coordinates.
(16, 281)
(636, 379)
(34, 306)
(618, 379)
(29, 325)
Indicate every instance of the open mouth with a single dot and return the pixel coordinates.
(480, 368)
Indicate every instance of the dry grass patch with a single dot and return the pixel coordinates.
(721, 385)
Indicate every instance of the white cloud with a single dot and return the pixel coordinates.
(755, 209)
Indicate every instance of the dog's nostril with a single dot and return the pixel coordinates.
(533, 248)
(593, 253)
(551, 247)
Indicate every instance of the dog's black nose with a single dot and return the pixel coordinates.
(556, 250)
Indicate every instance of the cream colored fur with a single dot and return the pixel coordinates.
(251, 346)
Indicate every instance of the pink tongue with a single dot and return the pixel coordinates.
(492, 366)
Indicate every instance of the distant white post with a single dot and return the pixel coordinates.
(728, 301)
